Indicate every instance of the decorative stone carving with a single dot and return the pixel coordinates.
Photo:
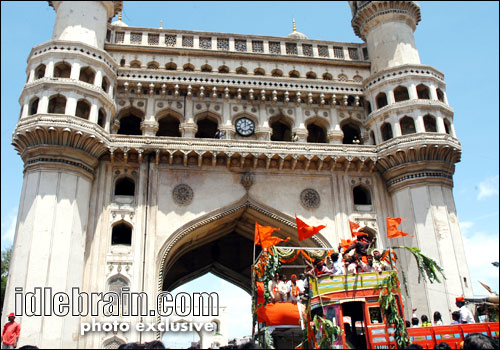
(247, 180)
(182, 194)
(310, 199)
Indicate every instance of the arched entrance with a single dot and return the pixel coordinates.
(221, 242)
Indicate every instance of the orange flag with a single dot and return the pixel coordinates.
(264, 238)
(345, 243)
(354, 226)
(306, 231)
(392, 228)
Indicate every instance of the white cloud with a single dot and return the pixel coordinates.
(9, 227)
(481, 249)
(465, 226)
(488, 188)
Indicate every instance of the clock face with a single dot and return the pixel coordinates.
(245, 126)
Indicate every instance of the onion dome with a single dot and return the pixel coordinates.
(295, 34)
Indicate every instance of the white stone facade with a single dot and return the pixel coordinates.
(82, 131)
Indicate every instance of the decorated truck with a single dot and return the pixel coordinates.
(362, 310)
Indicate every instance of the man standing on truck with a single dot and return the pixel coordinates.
(465, 314)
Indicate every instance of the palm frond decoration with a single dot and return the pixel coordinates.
(428, 269)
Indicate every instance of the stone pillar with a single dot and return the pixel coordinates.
(70, 106)
(396, 127)
(93, 113)
(440, 125)
(75, 70)
(49, 244)
(419, 124)
(49, 70)
(98, 78)
(189, 127)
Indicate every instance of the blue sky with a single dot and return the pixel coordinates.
(460, 39)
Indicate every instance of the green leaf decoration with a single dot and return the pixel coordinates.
(428, 269)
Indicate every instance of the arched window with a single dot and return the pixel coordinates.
(87, 75)
(116, 284)
(83, 109)
(294, 74)
(62, 70)
(121, 234)
(423, 92)
(206, 68)
(188, 67)
(40, 72)
(130, 123)
(276, 73)
(342, 77)
(101, 117)
(168, 126)
(447, 126)
(327, 76)
(430, 123)
(34, 106)
(259, 71)
(401, 94)
(241, 70)
(135, 64)
(361, 195)
(57, 104)
(311, 75)
(386, 130)
(224, 69)
(105, 84)
(352, 135)
(282, 130)
(207, 128)
(372, 137)
(368, 107)
(407, 126)
(153, 65)
(171, 66)
(440, 94)
(350, 100)
(381, 100)
(125, 186)
(122, 62)
(316, 134)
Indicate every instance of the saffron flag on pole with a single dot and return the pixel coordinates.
(306, 231)
(354, 228)
(264, 238)
(392, 228)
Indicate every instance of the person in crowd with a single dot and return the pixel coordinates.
(301, 283)
(443, 345)
(318, 269)
(273, 288)
(482, 314)
(361, 244)
(465, 314)
(294, 289)
(425, 321)
(283, 288)
(455, 316)
(356, 265)
(219, 134)
(377, 260)
(414, 346)
(414, 322)
(29, 347)
(10, 333)
(337, 266)
(131, 346)
(479, 341)
(154, 344)
(437, 319)
(408, 324)
(370, 266)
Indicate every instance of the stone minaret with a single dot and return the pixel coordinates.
(412, 123)
(69, 90)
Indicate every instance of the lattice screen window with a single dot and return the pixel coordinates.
(223, 44)
(153, 39)
(307, 49)
(257, 46)
(323, 51)
(171, 40)
(240, 45)
(119, 37)
(114, 344)
(338, 52)
(205, 43)
(275, 47)
(136, 38)
(187, 41)
(291, 49)
(353, 53)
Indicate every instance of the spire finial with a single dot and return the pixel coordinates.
(120, 16)
(294, 26)
(161, 24)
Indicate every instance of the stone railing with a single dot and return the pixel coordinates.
(236, 43)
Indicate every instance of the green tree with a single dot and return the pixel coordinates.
(6, 254)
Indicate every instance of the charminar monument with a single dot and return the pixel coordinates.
(150, 153)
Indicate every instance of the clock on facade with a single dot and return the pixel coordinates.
(245, 126)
